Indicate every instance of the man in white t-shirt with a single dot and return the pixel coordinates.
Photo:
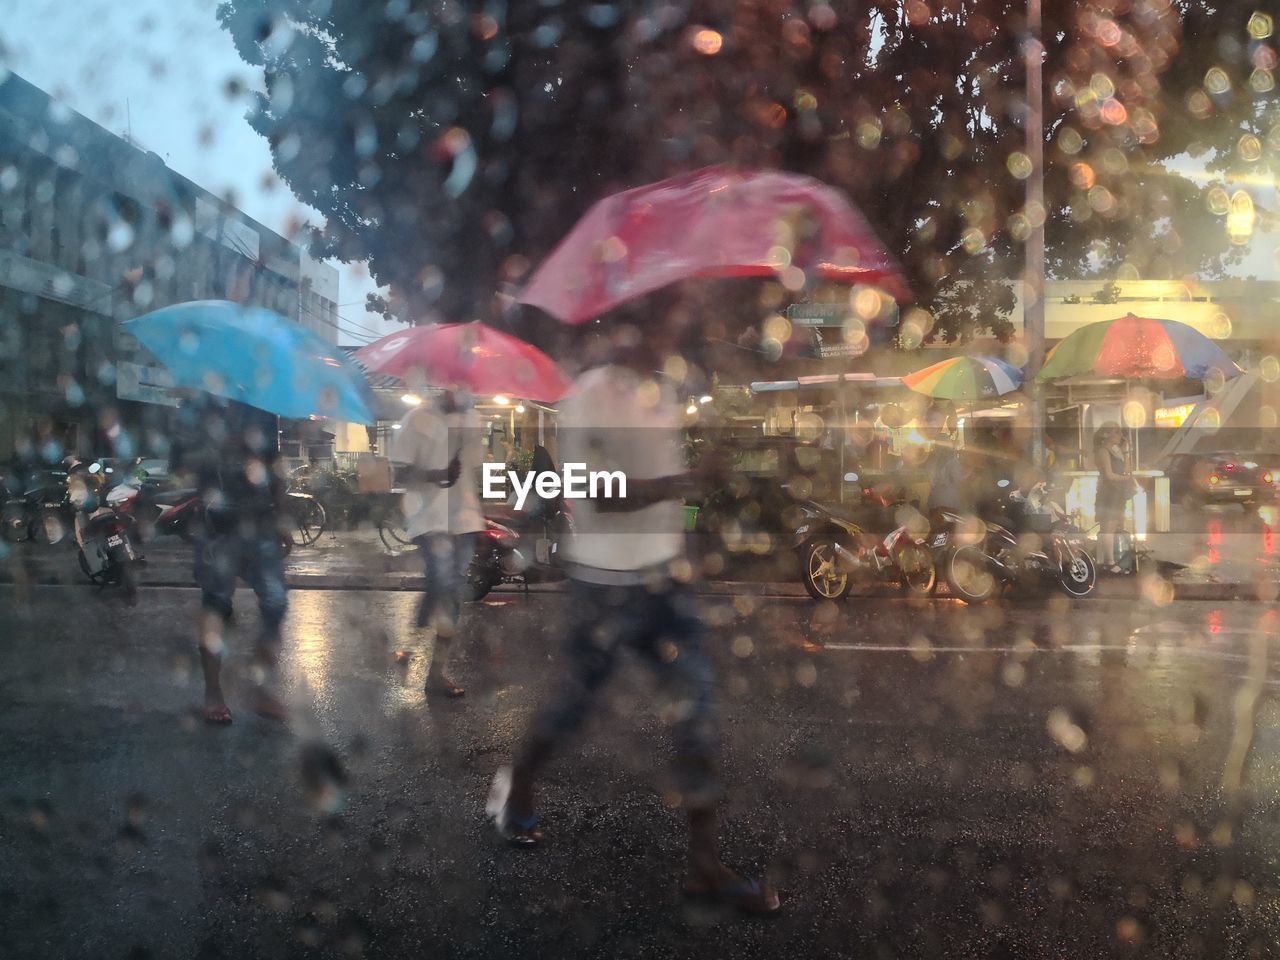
(629, 590)
(438, 453)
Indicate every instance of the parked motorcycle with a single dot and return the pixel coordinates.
(517, 547)
(1031, 543)
(177, 513)
(108, 536)
(835, 551)
(40, 512)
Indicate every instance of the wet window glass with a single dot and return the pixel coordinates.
(586, 478)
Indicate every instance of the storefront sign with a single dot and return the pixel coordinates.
(1173, 416)
(832, 344)
(146, 384)
(818, 314)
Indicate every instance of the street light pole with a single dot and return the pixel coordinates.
(1033, 275)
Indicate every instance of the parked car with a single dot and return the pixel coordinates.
(1196, 479)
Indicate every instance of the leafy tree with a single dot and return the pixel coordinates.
(1109, 292)
(453, 143)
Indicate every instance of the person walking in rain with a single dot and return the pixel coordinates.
(230, 453)
(629, 591)
(438, 452)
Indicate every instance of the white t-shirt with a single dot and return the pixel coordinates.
(428, 439)
(615, 419)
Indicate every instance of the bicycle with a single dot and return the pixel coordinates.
(309, 518)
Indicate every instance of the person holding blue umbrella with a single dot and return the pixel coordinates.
(246, 365)
(230, 453)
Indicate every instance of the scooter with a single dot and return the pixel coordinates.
(518, 548)
(1030, 543)
(108, 553)
(835, 551)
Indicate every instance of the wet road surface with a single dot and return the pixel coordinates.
(920, 780)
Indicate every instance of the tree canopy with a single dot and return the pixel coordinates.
(452, 144)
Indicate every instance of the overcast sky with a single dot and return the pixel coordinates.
(158, 69)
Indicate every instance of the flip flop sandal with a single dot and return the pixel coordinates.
(216, 716)
(447, 689)
(748, 896)
(517, 831)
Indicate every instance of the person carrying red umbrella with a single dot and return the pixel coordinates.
(629, 591)
(438, 451)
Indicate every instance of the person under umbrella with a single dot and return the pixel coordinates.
(230, 453)
(438, 451)
(248, 365)
(628, 591)
(1115, 487)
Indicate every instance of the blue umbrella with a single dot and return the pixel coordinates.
(257, 357)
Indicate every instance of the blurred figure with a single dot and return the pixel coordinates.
(437, 444)
(1115, 486)
(544, 508)
(628, 592)
(230, 453)
(947, 481)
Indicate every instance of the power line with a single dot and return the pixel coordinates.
(325, 320)
(359, 326)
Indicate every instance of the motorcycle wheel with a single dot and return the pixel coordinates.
(309, 518)
(967, 575)
(478, 582)
(50, 527)
(918, 571)
(84, 566)
(16, 527)
(129, 581)
(184, 531)
(822, 576)
(1079, 575)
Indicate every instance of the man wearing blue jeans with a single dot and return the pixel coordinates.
(437, 452)
(230, 453)
(629, 592)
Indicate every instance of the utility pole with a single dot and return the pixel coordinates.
(1033, 275)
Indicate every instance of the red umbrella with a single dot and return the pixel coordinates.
(714, 222)
(472, 355)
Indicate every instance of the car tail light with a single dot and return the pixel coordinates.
(1229, 468)
(1214, 479)
(1268, 478)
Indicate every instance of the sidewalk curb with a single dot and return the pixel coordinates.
(1129, 589)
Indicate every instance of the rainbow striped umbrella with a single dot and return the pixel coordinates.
(965, 379)
(1137, 348)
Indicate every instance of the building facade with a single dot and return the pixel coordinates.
(95, 231)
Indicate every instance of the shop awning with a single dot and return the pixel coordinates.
(823, 381)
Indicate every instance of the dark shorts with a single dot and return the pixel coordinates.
(663, 628)
(258, 560)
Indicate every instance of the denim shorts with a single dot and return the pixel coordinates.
(258, 560)
(445, 558)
